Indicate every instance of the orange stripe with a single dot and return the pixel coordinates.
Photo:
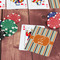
(39, 49)
(54, 36)
(35, 35)
(50, 50)
(52, 45)
(46, 46)
(41, 45)
(34, 47)
(58, 3)
(36, 31)
(46, 32)
(44, 50)
(42, 31)
(30, 45)
(50, 34)
(54, 4)
(45, 35)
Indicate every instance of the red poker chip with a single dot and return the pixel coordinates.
(15, 17)
(4, 18)
(54, 22)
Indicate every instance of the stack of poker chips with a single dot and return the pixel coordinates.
(2, 33)
(8, 26)
(37, 1)
(53, 20)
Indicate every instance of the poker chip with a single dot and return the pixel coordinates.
(54, 22)
(9, 27)
(13, 16)
(2, 34)
(51, 14)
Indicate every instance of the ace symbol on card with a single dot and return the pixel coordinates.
(26, 31)
(47, 5)
(23, 27)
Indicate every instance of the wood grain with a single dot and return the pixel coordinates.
(39, 17)
(10, 45)
(0, 41)
(0, 14)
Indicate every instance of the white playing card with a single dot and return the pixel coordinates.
(2, 4)
(16, 4)
(23, 36)
(38, 4)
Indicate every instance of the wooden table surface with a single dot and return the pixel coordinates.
(10, 45)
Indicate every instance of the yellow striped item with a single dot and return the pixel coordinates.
(54, 3)
(40, 48)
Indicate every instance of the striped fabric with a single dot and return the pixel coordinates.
(40, 49)
(54, 3)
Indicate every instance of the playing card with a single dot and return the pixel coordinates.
(2, 4)
(16, 4)
(26, 30)
(38, 4)
(41, 41)
(54, 3)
